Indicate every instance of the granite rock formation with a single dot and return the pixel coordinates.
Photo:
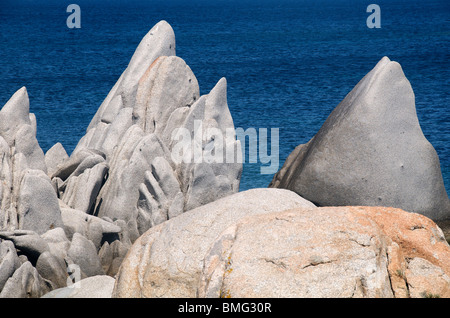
(147, 204)
(329, 252)
(67, 217)
(245, 247)
(166, 261)
(130, 140)
(370, 151)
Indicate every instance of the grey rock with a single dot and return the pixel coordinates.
(113, 193)
(80, 191)
(159, 41)
(124, 235)
(87, 163)
(14, 114)
(26, 191)
(118, 196)
(202, 181)
(113, 256)
(119, 250)
(54, 157)
(100, 286)
(60, 249)
(28, 242)
(33, 123)
(57, 241)
(106, 256)
(7, 181)
(112, 110)
(9, 262)
(94, 233)
(290, 165)
(176, 119)
(166, 261)
(138, 181)
(18, 128)
(23, 259)
(69, 166)
(52, 269)
(114, 268)
(27, 144)
(116, 130)
(143, 171)
(59, 186)
(25, 283)
(74, 271)
(211, 111)
(172, 85)
(13, 168)
(371, 151)
(38, 208)
(157, 195)
(84, 253)
(76, 221)
(94, 137)
(56, 235)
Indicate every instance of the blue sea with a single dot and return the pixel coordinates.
(288, 63)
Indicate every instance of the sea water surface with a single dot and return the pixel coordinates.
(288, 63)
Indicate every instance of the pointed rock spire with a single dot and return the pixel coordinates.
(371, 151)
(14, 114)
(159, 41)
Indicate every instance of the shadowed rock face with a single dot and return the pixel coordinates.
(370, 151)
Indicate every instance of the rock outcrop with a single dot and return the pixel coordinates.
(329, 252)
(25, 283)
(370, 151)
(147, 205)
(27, 198)
(167, 260)
(74, 217)
(219, 251)
(124, 167)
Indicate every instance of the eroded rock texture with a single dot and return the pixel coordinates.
(167, 260)
(65, 218)
(27, 198)
(124, 167)
(245, 246)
